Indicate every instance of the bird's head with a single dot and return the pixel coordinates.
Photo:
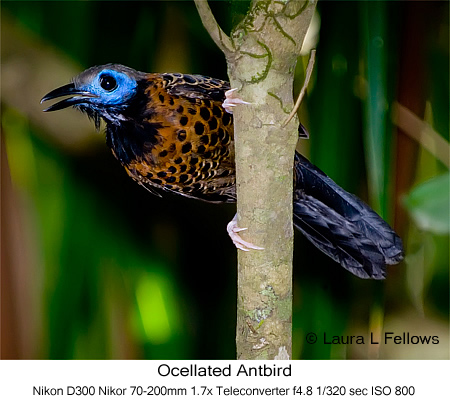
(102, 91)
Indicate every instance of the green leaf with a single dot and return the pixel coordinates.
(429, 203)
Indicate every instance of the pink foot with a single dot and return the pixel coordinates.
(231, 101)
(240, 243)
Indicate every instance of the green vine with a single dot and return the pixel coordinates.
(262, 75)
(301, 9)
(282, 31)
(285, 109)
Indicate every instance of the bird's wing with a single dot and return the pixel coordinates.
(195, 86)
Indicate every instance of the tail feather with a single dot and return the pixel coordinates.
(341, 225)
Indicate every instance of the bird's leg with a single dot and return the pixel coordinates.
(232, 228)
(231, 101)
(240, 243)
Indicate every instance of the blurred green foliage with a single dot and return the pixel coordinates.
(114, 272)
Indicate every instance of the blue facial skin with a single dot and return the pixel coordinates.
(109, 88)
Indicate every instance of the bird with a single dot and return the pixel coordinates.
(174, 132)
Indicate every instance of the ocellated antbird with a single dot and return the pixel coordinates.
(175, 132)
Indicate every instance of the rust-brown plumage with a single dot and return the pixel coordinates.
(193, 153)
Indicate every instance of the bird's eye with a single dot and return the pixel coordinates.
(108, 83)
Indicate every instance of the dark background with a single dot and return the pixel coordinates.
(95, 267)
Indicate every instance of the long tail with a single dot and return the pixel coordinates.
(341, 225)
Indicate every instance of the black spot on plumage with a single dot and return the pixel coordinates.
(156, 181)
(207, 103)
(183, 168)
(172, 169)
(163, 153)
(204, 113)
(181, 135)
(178, 160)
(213, 139)
(217, 111)
(207, 154)
(226, 119)
(206, 167)
(191, 170)
(192, 111)
(183, 178)
(226, 139)
(204, 139)
(171, 102)
(199, 128)
(161, 98)
(201, 149)
(189, 79)
(172, 147)
(161, 174)
(212, 123)
(221, 134)
(180, 109)
(170, 187)
(186, 148)
(184, 120)
(171, 179)
(193, 161)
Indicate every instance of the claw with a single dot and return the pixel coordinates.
(240, 243)
(231, 101)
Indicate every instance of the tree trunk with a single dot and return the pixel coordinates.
(261, 54)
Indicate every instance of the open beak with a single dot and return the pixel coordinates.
(78, 96)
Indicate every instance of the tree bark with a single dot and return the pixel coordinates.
(261, 54)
